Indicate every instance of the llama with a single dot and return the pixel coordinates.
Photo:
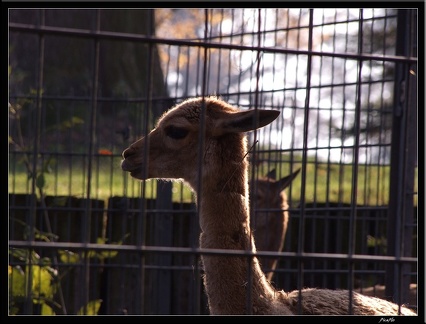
(271, 217)
(380, 292)
(234, 284)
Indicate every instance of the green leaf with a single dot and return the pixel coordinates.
(60, 201)
(35, 257)
(42, 282)
(46, 310)
(47, 165)
(91, 254)
(69, 123)
(21, 254)
(45, 236)
(35, 92)
(92, 308)
(45, 262)
(67, 256)
(100, 240)
(24, 255)
(108, 254)
(77, 120)
(40, 181)
(16, 281)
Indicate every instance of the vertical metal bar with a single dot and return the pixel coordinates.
(91, 156)
(163, 229)
(409, 221)
(403, 159)
(163, 236)
(253, 188)
(28, 307)
(195, 220)
(301, 230)
(354, 186)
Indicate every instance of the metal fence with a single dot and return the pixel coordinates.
(85, 238)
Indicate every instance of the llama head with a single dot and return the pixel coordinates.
(171, 149)
(270, 192)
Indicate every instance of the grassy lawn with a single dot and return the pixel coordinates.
(324, 182)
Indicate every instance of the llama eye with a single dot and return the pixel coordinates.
(176, 132)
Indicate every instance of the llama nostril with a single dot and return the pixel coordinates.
(126, 165)
(127, 152)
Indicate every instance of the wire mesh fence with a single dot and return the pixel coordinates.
(333, 180)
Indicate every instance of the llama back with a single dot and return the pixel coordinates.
(336, 302)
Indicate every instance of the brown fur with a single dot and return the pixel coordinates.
(173, 149)
(336, 302)
(379, 292)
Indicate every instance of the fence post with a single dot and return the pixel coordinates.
(403, 161)
(163, 236)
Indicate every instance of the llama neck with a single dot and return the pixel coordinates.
(224, 222)
(224, 208)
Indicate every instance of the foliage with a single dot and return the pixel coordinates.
(92, 308)
(34, 279)
(45, 279)
(67, 256)
(39, 273)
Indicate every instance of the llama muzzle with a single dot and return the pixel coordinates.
(136, 170)
(128, 162)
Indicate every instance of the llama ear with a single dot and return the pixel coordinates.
(272, 174)
(245, 121)
(285, 182)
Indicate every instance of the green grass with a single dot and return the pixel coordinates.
(333, 183)
(324, 182)
(70, 178)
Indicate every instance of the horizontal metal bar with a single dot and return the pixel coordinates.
(153, 40)
(198, 251)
